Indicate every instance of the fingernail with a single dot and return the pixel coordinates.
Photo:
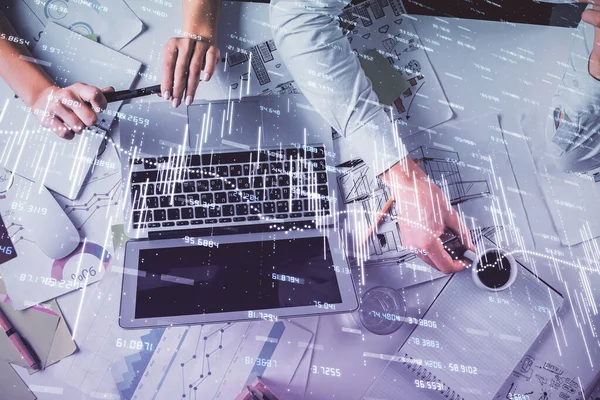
(188, 100)
(167, 95)
(206, 76)
(176, 102)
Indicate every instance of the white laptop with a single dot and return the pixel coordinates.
(239, 225)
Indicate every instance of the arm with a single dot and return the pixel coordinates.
(592, 17)
(25, 78)
(320, 59)
(38, 91)
(575, 124)
(185, 57)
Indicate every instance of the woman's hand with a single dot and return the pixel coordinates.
(183, 62)
(69, 110)
(186, 57)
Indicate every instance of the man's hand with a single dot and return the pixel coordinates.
(592, 17)
(423, 215)
(69, 110)
(183, 62)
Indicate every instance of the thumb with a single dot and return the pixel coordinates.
(592, 17)
(108, 89)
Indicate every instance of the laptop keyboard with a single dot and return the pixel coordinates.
(229, 188)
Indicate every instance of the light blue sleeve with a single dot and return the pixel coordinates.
(576, 109)
(323, 65)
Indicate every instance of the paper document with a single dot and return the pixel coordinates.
(62, 165)
(111, 20)
(32, 277)
(11, 384)
(36, 326)
(438, 358)
(218, 360)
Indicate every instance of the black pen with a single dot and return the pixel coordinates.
(131, 94)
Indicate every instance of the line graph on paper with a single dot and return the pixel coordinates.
(98, 199)
(216, 361)
(97, 202)
(189, 361)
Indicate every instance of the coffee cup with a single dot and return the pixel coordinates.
(493, 269)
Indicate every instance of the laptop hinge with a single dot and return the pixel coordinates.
(231, 230)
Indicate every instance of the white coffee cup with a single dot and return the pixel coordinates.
(476, 260)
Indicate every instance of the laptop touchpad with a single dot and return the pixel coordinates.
(225, 126)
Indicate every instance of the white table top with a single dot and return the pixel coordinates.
(460, 71)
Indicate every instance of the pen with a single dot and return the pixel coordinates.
(17, 342)
(131, 94)
(384, 210)
(256, 394)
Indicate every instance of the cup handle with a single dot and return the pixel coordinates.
(470, 255)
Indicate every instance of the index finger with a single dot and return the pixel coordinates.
(442, 260)
(592, 16)
(94, 96)
(456, 224)
(168, 68)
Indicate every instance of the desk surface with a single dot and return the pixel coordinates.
(464, 78)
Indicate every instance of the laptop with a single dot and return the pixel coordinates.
(232, 216)
(559, 13)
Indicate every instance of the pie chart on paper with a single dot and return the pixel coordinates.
(83, 263)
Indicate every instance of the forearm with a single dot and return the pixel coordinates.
(323, 65)
(27, 79)
(201, 17)
(575, 138)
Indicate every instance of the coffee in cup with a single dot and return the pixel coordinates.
(493, 270)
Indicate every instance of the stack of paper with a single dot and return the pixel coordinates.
(42, 326)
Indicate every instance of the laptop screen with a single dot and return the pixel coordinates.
(566, 14)
(199, 279)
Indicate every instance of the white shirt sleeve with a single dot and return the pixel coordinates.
(577, 137)
(323, 65)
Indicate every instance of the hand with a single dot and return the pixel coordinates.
(69, 110)
(592, 17)
(423, 215)
(183, 62)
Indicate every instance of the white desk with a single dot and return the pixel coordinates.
(465, 74)
(459, 68)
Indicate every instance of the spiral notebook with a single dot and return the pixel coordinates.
(479, 339)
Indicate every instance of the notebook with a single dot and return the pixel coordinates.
(480, 337)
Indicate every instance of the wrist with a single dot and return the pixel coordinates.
(204, 35)
(201, 18)
(38, 91)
